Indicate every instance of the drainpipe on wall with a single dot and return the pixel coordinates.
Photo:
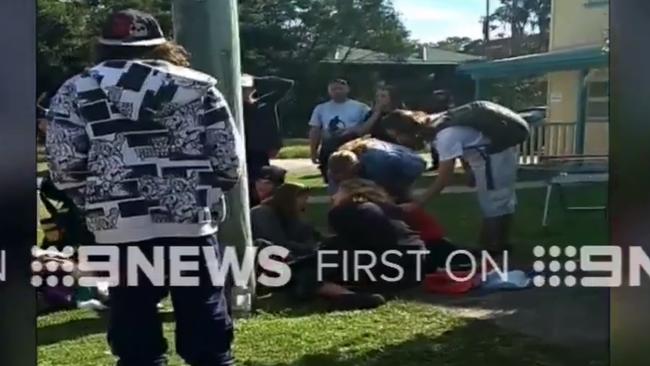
(582, 112)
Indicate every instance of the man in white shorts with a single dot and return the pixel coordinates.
(494, 176)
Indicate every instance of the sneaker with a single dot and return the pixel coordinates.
(357, 301)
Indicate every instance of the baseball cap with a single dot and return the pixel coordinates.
(273, 173)
(132, 28)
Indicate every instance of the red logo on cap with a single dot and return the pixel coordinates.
(121, 27)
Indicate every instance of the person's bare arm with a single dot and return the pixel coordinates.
(444, 178)
(368, 125)
(314, 143)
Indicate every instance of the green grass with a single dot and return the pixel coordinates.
(398, 333)
(295, 149)
(294, 152)
(459, 215)
(404, 333)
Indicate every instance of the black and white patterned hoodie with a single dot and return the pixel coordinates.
(146, 149)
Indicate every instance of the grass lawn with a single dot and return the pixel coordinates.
(295, 149)
(399, 333)
(405, 333)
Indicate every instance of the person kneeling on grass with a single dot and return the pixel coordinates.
(278, 220)
(265, 184)
(344, 165)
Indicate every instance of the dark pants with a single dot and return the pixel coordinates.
(204, 328)
(255, 161)
(435, 159)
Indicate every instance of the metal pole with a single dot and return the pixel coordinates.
(209, 30)
(486, 29)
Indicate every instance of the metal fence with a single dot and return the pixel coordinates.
(548, 140)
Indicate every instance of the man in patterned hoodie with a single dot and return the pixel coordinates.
(147, 147)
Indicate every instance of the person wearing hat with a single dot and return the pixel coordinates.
(334, 122)
(147, 147)
(264, 186)
(262, 96)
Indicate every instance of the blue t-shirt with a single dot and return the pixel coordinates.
(332, 117)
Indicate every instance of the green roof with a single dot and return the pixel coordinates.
(426, 56)
(538, 64)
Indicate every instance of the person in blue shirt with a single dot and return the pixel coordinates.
(334, 122)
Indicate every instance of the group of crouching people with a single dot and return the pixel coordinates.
(380, 239)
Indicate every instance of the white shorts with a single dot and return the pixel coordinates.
(495, 183)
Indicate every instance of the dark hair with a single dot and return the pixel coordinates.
(284, 200)
(395, 97)
(169, 51)
(339, 81)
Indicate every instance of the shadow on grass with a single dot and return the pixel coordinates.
(79, 328)
(478, 342)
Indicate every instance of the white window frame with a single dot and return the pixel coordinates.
(596, 99)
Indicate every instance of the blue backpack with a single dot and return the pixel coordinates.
(392, 166)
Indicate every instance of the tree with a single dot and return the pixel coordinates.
(454, 44)
(287, 37)
(305, 31)
(518, 15)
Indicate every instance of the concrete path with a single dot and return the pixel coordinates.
(448, 190)
(562, 316)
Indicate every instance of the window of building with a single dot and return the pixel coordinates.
(598, 101)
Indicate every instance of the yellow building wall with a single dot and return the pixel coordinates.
(563, 96)
(597, 138)
(573, 24)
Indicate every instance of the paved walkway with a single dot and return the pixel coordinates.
(448, 190)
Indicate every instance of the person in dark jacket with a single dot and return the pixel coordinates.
(261, 96)
(387, 99)
(279, 220)
(365, 218)
(267, 182)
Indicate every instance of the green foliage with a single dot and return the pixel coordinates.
(280, 37)
(454, 44)
(518, 15)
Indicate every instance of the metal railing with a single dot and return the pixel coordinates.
(547, 140)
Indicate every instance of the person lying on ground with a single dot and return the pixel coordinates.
(364, 218)
(278, 220)
(493, 174)
(264, 186)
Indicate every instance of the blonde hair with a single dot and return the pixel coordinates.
(343, 161)
(363, 190)
(357, 146)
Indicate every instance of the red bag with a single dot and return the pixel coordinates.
(430, 230)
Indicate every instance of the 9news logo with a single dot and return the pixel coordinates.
(589, 266)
